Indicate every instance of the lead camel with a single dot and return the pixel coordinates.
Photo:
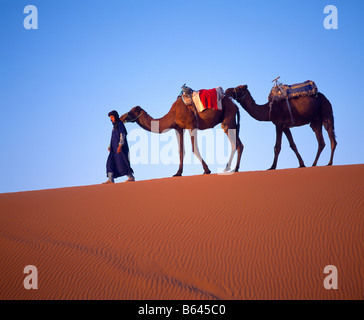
(181, 117)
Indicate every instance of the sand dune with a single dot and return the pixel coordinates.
(250, 235)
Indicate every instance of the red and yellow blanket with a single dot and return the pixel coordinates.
(208, 99)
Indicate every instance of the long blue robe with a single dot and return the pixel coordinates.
(118, 163)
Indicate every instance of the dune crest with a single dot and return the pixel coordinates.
(250, 235)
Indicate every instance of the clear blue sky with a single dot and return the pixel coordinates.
(58, 83)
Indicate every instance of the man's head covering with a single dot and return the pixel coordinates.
(114, 113)
(116, 116)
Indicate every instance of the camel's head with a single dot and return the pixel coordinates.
(237, 92)
(132, 115)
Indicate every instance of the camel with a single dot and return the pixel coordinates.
(181, 117)
(315, 110)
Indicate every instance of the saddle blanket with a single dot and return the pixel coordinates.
(208, 99)
(306, 88)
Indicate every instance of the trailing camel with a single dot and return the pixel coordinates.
(315, 110)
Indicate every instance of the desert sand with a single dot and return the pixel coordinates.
(250, 235)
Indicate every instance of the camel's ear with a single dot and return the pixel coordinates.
(245, 87)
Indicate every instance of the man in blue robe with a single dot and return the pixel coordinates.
(118, 163)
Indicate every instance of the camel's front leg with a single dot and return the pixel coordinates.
(179, 134)
(288, 134)
(277, 148)
(196, 152)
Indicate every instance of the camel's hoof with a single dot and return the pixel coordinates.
(207, 172)
(226, 169)
(271, 168)
(177, 175)
(303, 166)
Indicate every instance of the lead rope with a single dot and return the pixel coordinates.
(135, 118)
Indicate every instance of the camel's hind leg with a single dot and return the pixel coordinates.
(240, 147)
(236, 145)
(328, 122)
(329, 126)
(196, 152)
(317, 128)
(231, 134)
(231, 126)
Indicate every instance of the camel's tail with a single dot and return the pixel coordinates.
(237, 122)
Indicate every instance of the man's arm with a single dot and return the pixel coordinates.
(122, 136)
(121, 142)
(122, 139)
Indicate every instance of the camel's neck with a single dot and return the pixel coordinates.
(155, 125)
(258, 112)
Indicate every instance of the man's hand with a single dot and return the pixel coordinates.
(108, 149)
(119, 149)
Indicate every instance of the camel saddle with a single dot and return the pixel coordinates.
(283, 91)
(203, 99)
